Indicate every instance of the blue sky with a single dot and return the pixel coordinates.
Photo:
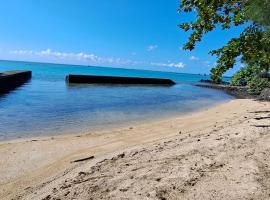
(115, 33)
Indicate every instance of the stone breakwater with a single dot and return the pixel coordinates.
(10, 80)
(89, 79)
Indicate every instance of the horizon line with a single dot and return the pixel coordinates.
(82, 65)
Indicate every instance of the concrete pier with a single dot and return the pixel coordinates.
(89, 79)
(10, 80)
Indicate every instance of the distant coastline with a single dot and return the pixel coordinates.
(70, 64)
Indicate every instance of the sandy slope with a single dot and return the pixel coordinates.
(221, 153)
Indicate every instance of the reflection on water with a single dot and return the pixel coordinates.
(47, 105)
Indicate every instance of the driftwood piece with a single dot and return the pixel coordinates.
(260, 118)
(261, 111)
(262, 126)
(83, 159)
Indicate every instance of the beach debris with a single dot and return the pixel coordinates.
(262, 126)
(82, 173)
(158, 179)
(28, 188)
(136, 152)
(47, 197)
(54, 190)
(83, 159)
(123, 189)
(260, 118)
(122, 155)
(67, 193)
(261, 111)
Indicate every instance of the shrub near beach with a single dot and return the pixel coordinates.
(250, 76)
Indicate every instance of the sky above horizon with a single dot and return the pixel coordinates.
(136, 34)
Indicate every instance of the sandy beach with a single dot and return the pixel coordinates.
(219, 153)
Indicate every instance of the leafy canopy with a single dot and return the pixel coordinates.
(253, 44)
(244, 75)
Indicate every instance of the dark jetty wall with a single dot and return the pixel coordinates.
(240, 92)
(10, 80)
(116, 80)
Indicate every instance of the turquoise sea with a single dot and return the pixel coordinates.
(47, 106)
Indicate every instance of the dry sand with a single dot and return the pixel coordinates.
(220, 153)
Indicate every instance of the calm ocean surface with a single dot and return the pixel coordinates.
(46, 105)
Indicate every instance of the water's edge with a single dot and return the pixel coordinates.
(46, 105)
(115, 128)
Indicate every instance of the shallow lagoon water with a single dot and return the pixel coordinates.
(47, 106)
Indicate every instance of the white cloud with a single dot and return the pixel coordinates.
(152, 47)
(169, 64)
(87, 58)
(50, 53)
(73, 56)
(21, 52)
(194, 58)
(81, 57)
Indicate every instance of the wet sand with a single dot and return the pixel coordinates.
(220, 153)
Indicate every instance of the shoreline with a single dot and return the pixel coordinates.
(32, 166)
(112, 128)
(239, 92)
